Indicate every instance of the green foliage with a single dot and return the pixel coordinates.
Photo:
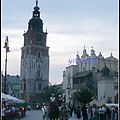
(48, 91)
(84, 95)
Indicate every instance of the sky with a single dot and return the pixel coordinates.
(71, 25)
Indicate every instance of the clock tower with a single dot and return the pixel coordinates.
(34, 71)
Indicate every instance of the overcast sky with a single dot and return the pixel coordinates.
(71, 25)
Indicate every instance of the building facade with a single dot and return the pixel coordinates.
(34, 72)
(105, 87)
(12, 85)
(86, 71)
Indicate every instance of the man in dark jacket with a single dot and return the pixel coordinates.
(84, 112)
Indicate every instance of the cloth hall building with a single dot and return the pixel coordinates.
(86, 72)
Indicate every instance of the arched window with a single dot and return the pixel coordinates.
(39, 86)
(21, 86)
(39, 55)
(24, 86)
(25, 54)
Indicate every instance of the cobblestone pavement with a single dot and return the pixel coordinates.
(37, 115)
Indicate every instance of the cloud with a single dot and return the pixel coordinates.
(56, 72)
(71, 25)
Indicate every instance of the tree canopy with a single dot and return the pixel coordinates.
(48, 91)
(84, 95)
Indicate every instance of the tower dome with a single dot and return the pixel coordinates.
(35, 23)
(84, 52)
(105, 71)
(92, 52)
(100, 56)
(77, 56)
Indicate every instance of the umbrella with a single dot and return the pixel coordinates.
(11, 99)
(4, 97)
(14, 99)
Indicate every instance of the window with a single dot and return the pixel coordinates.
(35, 14)
(21, 86)
(39, 55)
(83, 68)
(34, 65)
(30, 64)
(24, 54)
(76, 81)
(38, 43)
(75, 86)
(39, 86)
(68, 81)
(81, 80)
(24, 86)
(109, 99)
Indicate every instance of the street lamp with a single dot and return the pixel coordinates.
(7, 50)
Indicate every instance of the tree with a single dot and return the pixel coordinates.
(84, 95)
(48, 91)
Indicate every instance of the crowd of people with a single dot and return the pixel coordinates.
(11, 112)
(95, 112)
(56, 111)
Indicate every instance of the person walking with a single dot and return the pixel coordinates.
(89, 112)
(108, 113)
(44, 111)
(102, 111)
(3, 112)
(113, 112)
(71, 110)
(84, 112)
(78, 112)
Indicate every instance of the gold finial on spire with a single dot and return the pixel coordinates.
(92, 47)
(111, 54)
(36, 2)
(84, 46)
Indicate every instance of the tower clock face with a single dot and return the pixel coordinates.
(39, 37)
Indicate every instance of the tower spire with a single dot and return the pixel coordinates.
(84, 46)
(36, 2)
(92, 47)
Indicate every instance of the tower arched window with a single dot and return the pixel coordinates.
(39, 86)
(25, 54)
(24, 86)
(39, 55)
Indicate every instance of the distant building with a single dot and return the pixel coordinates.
(86, 71)
(60, 87)
(105, 87)
(34, 71)
(12, 85)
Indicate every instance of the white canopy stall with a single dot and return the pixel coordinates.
(10, 99)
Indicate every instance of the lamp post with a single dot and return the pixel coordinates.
(7, 50)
